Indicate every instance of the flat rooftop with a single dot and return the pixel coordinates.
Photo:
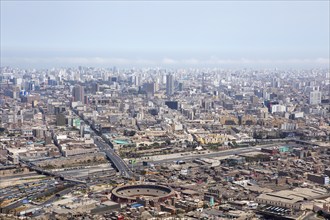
(293, 196)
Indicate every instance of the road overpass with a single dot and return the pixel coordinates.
(119, 163)
(50, 173)
(116, 160)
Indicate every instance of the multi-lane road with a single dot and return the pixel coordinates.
(120, 165)
(50, 173)
(27, 192)
(124, 170)
(213, 154)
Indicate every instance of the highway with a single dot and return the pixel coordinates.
(50, 173)
(57, 196)
(124, 170)
(20, 202)
(116, 160)
(214, 154)
(22, 190)
(120, 165)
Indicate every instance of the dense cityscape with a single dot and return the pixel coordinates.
(161, 143)
(165, 110)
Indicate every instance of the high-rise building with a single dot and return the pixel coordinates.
(315, 97)
(169, 85)
(137, 80)
(78, 93)
(276, 83)
(172, 104)
(95, 87)
(149, 87)
(203, 83)
(17, 81)
(60, 120)
(278, 108)
(82, 129)
(180, 86)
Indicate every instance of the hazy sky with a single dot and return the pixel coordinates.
(165, 33)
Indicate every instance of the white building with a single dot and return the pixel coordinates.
(315, 97)
(278, 108)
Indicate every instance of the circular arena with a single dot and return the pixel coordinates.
(129, 193)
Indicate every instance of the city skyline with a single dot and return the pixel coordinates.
(164, 109)
(165, 34)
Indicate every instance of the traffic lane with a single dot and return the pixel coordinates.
(15, 204)
(25, 190)
(115, 159)
(189, 158)
(120, 166)
(217, 154)
(102, 145)
(55, 197)
(30, 197)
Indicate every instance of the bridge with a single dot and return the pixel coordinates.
(50, 173)
(119, 164)
(116, 160)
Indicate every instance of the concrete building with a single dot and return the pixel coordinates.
(278, 108)
(320, 179)
(294, 199)
(315, 97)
(169, 85)
(78, 93)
